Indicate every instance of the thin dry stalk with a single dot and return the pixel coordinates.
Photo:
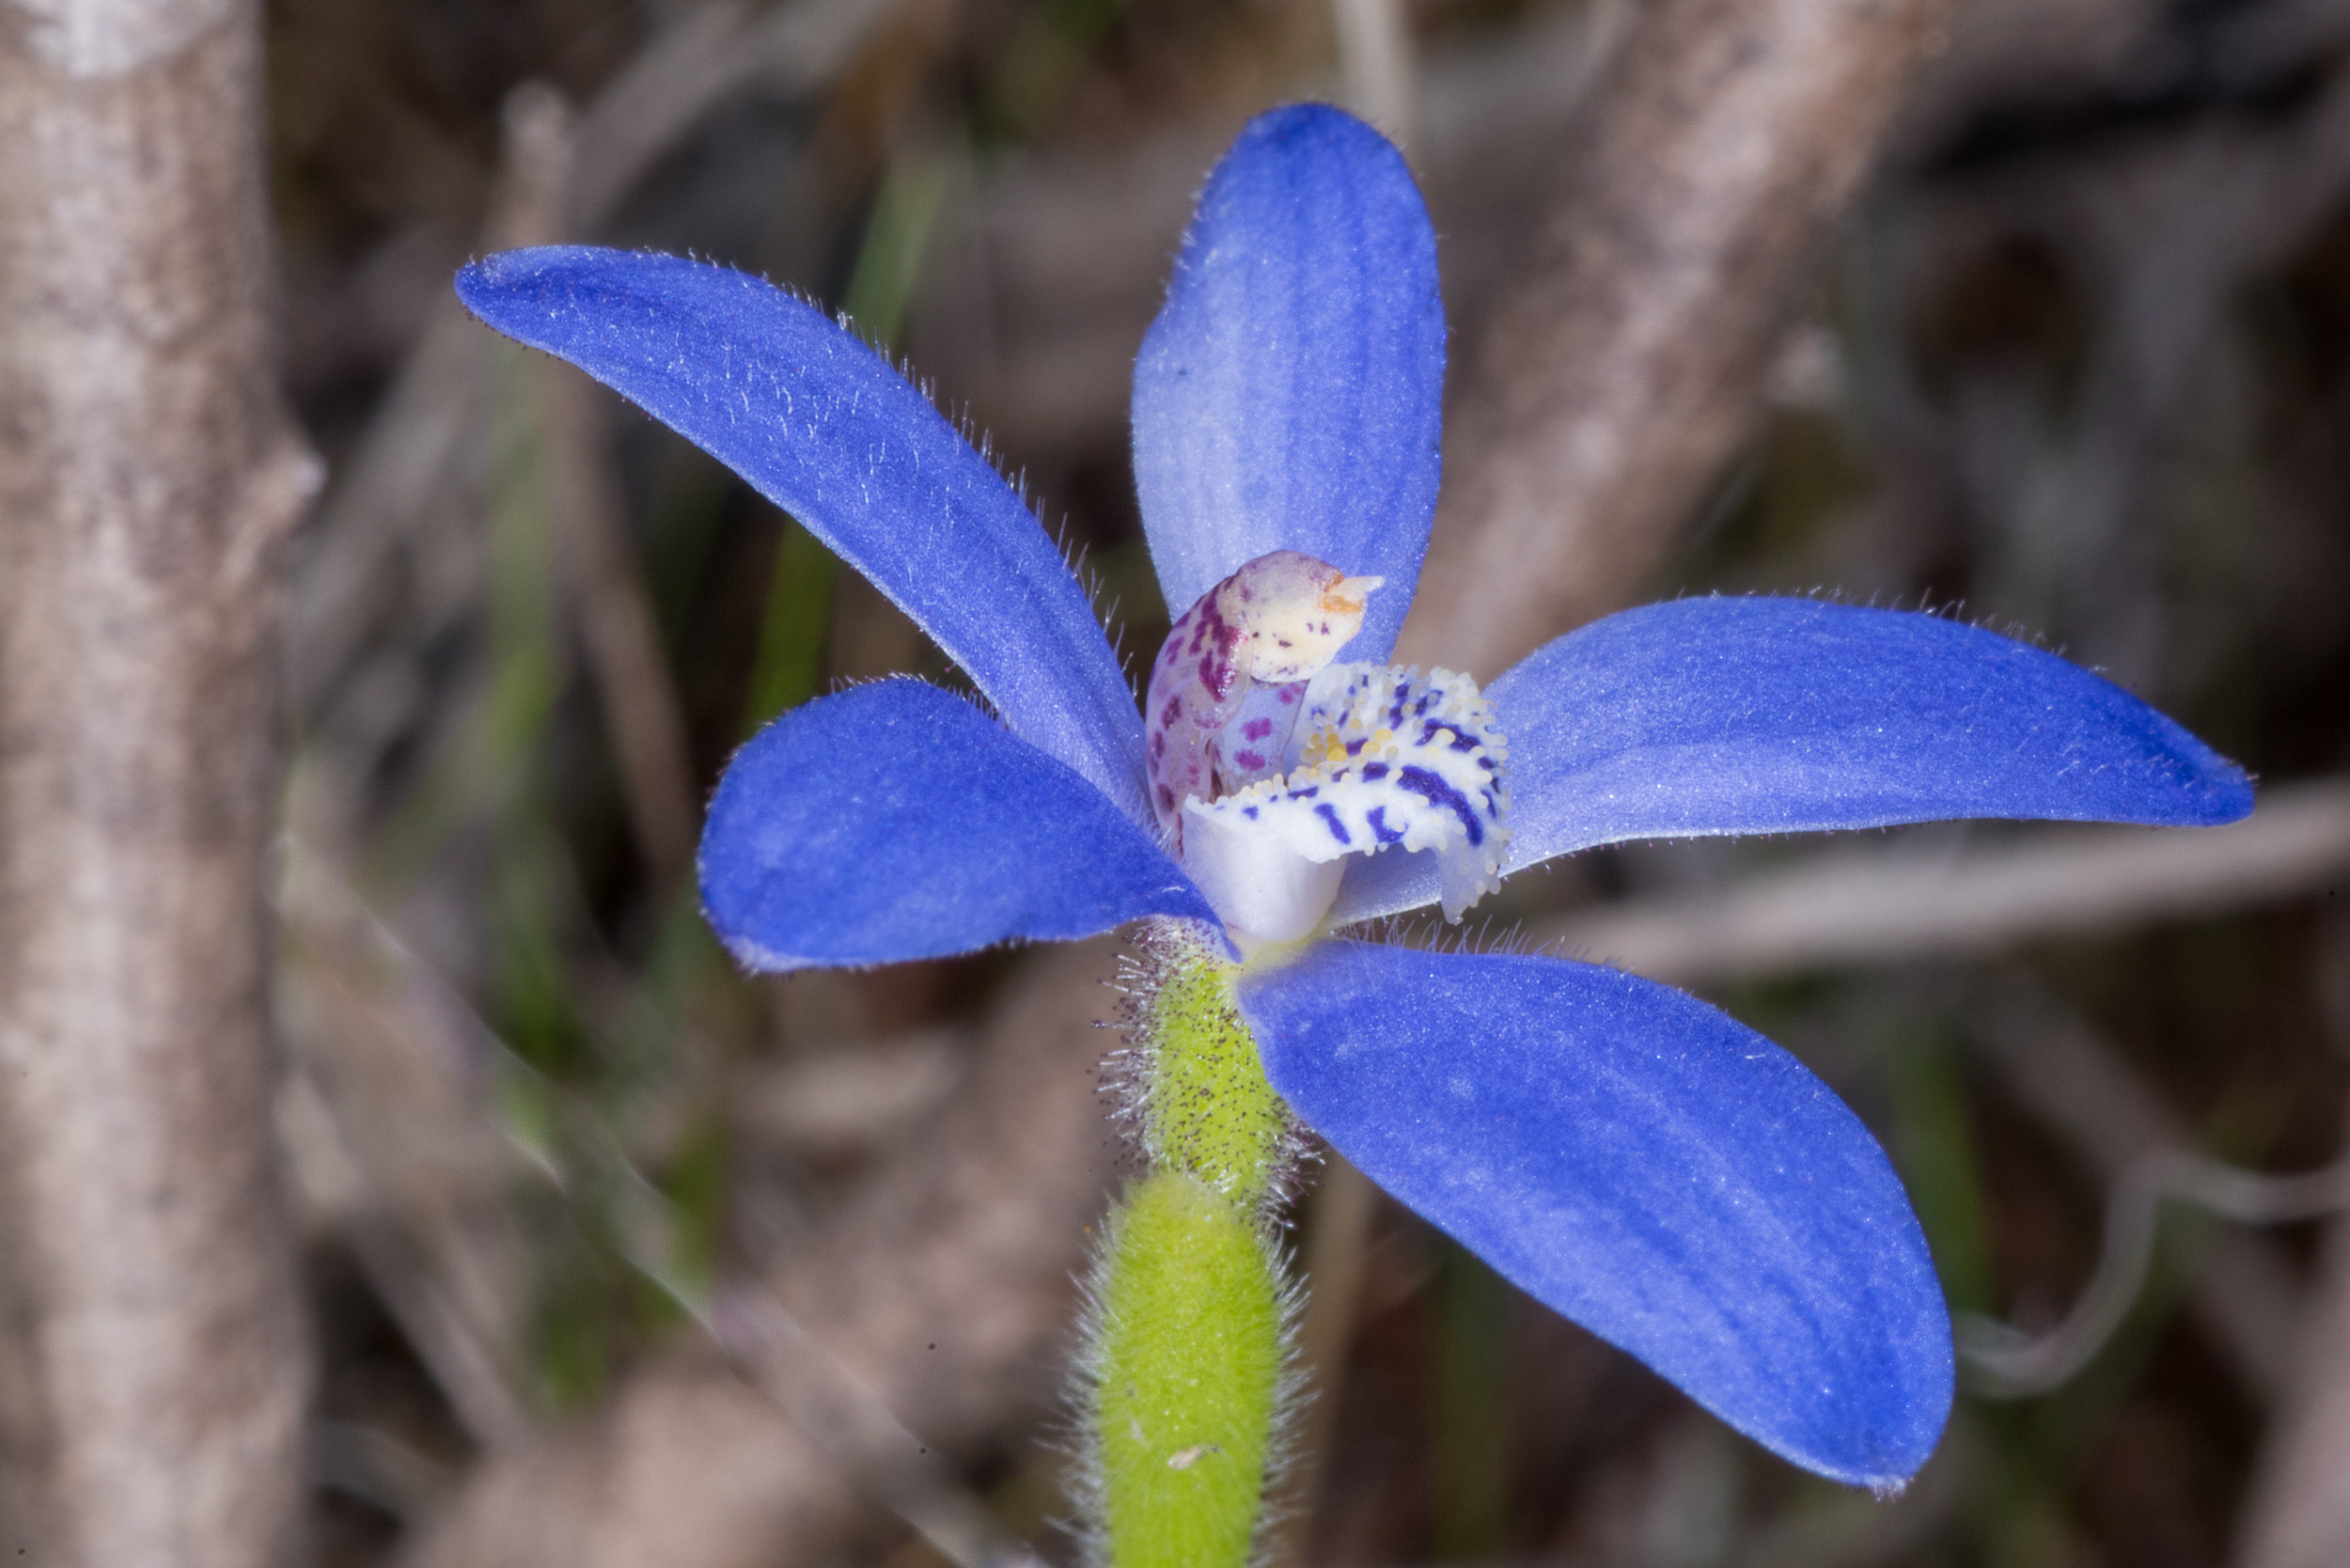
(943, 1290)
(596, 559)
(2296, 1514)
(400, 1120)
(1899, 902)
(153, 1363)
(1381, 71)
(2013, 1363)
(2245, 1297)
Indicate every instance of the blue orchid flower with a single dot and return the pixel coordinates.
(1625, 1153)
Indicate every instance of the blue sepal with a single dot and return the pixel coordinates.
(896, 821)
(1290, 394)
(1705, 717)
(1644, 1164)
(823, 426)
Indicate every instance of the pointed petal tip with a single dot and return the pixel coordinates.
(2224, 793)
(1723, 715)
(487, 283)
(1291, 126)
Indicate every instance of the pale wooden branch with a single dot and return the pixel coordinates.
(1625, 357)
(153, 1363)
(1894, 902)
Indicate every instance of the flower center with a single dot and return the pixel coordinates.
(1272, 624)
(1389, 758)
(1268, 764)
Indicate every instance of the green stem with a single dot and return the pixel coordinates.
(1188, 1341)
(1189, 1372)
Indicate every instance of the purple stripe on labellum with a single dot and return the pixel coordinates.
(1421, 782)
(1358, 786)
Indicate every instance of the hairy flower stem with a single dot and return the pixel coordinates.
(1185, 1383)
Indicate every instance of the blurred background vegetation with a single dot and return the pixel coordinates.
(2079, 366)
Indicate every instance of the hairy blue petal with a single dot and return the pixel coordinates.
(1783, 716)
(1288, 397)
(1642, 1163)
(897, 821)
(823, 426)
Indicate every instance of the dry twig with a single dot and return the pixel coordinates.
(2009, 1363)
(944, 1288)
(151, 1349)
(1625, 357)
(1880, 905)
(2296, 1514)
(402, 489)
(595, 557)
(2246, 1297)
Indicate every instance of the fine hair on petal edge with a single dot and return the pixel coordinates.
(1421, 931)
(1952, 610)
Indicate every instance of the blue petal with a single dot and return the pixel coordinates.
(1288, 397)
(1642, 1163)
(824, 428)
(896, 821)
(1782, 715)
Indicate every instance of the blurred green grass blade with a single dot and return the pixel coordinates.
(490, 764)
(1472, 1429)
(792, 633)
(896, 236)
(1934, 1136)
